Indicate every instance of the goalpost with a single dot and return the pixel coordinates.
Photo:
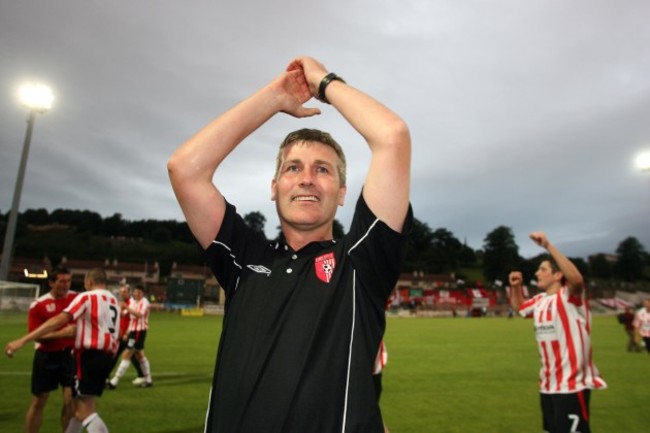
(17, 296)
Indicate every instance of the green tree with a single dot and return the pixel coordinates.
(601, 267)
(447, 248)
(467, 256)
(256, 221)
(161, 235)
(582, 266)
(85, 221)
(36, 217)
(631, 259)
(114, 225)
(419, 250)
(501, 253)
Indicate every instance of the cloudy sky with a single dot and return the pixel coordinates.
(527, 114)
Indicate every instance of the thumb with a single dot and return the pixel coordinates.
(308, 112)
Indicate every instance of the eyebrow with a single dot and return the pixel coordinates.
(300, 161)
(323, 162)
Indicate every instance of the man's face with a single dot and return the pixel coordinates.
(545, 275)
(61, 285)
(307, 189)
(124, 293)
(137, 294)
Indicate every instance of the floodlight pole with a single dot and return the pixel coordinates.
(7, 249)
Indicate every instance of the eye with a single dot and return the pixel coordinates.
(322, 169)
(292, 168)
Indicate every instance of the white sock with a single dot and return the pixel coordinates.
(121, 370)
(94, 424)
(74, 426)
(146, 369)
(124, 365)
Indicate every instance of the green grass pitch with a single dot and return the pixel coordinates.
(443, 375)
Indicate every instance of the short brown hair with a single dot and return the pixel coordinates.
(97, 275)
(318, 136)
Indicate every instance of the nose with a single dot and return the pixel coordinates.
(306, 178)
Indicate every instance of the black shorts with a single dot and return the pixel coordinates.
(121, 347)
(93, 368)
(51, 369)
(566, 413)
(136, 340)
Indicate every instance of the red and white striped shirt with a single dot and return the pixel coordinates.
(563, 330)
(642, 322)
(139, 323)
(381, 360)
(96, 313)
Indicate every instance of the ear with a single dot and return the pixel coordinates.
(274, 188)
(341, 198)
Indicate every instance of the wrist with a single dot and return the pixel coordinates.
(327, 79)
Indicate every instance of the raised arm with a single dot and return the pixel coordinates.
(194, 163)
(515, 280)
(573, 276)
(386, 188)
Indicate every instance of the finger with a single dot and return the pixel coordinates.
(308, 112)
(294, 65)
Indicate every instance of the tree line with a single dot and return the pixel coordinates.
(439, 251)
(86, 234)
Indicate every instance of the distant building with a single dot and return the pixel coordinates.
(117, 272)
(191, 284)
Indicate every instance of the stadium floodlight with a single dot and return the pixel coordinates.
(41, 275)
(37, 98)
(643, 161)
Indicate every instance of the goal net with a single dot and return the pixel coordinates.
(17, 296)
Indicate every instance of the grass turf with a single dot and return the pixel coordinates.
(443, 375)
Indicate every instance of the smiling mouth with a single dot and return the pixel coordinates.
(308, 198)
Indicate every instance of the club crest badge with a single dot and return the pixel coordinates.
(50, 308)
(324, 266)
